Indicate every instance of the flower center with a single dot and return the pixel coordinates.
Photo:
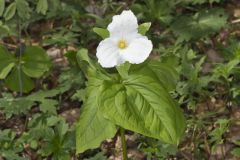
(122, 44)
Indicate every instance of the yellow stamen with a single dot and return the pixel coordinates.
(122, 44)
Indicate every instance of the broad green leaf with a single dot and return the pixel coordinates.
(85, 63)
(4, 54)
(23, 9)
(6, 62)
(82, 56)
(165, 74)
(10, 11)
(162, 72)
(6, 70)
(2, 7)
(18, 81)
(88, 66)
(104, 33)
(142, 105)
(199, 25)
(143, 28)
(123, 69)
(35, 62)
(4, 30)
(92, 128)
(42, 6)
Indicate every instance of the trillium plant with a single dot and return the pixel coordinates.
(124, 43)
(126, 89)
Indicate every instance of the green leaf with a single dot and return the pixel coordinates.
(18, 81)
(4, 30)
(84, 62)
(165, 73)
(162, 72)
(48, 105)
(195, 2)
(10, 11)
(42, 6)
(216, 1)
(92, 128)
(142, 105)
(6, 70)
(42, 95)
(71, 56)
(123, 69)
(53, 120)
(35, 62)
(6, 62)
(61, 38)
(34, 144)
(10, 105)
(62, 128)
(89, 67)
(236, 152)
(2, 7)
(98, 156)
(82, 56)
(143, 28)
(23, 9)
(225, 70)
(104, 33)
(199, 25)
(11, 155)
(79, 95)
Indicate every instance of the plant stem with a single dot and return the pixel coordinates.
(124, 144)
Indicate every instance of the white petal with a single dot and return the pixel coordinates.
(128, 38)
(137, 51)
(108, 54)
(123, 24)
(132, 36)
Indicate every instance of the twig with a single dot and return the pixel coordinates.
(235, 21)
(8, 45)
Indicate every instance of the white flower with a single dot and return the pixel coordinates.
(124, 43)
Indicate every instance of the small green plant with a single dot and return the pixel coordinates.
(217, 134)
(200, 24)
(236, 150)
(9, 148)
(134, 97)
(155, 149)
(18, 71)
